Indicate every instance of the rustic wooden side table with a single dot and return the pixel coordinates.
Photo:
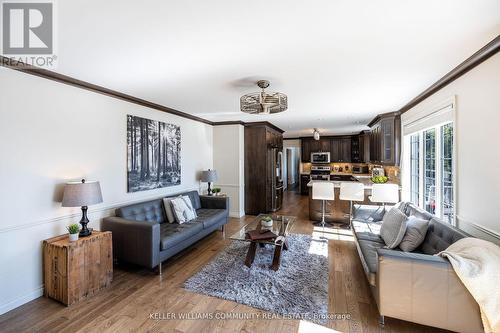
(75, 270)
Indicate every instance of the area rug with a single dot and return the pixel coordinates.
(298, 288)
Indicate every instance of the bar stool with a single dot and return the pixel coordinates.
(352, 191)
(323, 191)
(384, 194)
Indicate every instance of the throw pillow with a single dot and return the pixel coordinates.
(393, 227)
(168, 209)
(416, 229)
(183, 209)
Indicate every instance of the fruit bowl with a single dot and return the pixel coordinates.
(380, 179)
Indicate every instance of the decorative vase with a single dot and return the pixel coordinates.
(73, 237)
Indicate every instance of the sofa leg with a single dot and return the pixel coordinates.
(223, 229)
(381, 321)
(159, 269)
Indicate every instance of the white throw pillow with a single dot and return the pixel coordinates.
(168, 209)
(393, 227)
(183, 209)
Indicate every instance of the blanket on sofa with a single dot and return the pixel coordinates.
(477, 264)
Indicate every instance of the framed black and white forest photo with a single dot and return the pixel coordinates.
(153, 154)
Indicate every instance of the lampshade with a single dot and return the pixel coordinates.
(77, 194)
(209, 176)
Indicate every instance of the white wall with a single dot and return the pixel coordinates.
(51, 133)
(229, 159)
(477, 140)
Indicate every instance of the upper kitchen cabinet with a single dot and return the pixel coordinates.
(385, 139)
(340, 149)
(305, 150)
(309, 145)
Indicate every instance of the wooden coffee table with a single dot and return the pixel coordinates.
(281, 227)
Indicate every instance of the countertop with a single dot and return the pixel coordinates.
(363, 179)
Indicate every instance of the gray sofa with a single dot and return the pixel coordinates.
(415, 286)
(143, 236)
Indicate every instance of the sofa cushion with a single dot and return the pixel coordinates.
(367, 231)
(150, 211)
(209, 217)
(172, 234)
(393, 227)
(369, 258)
(439, 236)
(416, 230)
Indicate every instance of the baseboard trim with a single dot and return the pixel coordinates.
(236, 214)
(11, 305)
(478, 231)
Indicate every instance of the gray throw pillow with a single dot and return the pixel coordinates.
(168, 209)
(416, 229)
(393, 228)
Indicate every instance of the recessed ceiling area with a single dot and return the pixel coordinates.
(339, 62)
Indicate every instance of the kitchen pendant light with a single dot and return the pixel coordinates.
(263, 102)
(316, 134)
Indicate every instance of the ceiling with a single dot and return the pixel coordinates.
(340, 62)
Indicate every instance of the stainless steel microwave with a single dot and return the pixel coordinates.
(320, 157)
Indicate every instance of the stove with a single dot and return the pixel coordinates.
(320, 172)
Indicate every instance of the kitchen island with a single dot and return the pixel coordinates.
(337, 211)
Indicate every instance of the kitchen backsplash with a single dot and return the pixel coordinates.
(393, 172)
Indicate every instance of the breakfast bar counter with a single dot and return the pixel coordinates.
(337, 211)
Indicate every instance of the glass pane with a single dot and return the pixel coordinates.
(447, 201)
(414, 168)
(430, 171)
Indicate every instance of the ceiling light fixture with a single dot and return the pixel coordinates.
(316, 134)
(263, 102)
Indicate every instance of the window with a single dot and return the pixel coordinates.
(430, 171)
(447, 201)
(430, 161)
(415, 168)
(428, 158)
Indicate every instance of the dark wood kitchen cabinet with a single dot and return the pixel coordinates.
(304, 179)
(305, 150)
(345, 150)
(340, 149)
(385, 139)
(309, 145)
(262, 141)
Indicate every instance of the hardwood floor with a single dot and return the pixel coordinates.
(137, 295)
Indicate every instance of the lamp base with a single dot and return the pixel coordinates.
(84, 232)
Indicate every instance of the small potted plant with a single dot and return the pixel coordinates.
(73, 230)
(266, 222)
(216, 191)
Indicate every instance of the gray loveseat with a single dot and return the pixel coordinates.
(415, 286)
(143, 236)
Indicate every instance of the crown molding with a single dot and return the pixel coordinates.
(474, 60)
(50, 75)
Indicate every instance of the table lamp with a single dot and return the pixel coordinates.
(82, 194)
(209, 176)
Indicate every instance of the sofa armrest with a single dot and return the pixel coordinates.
(424, 289)
(136, 242)
(213, 202)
